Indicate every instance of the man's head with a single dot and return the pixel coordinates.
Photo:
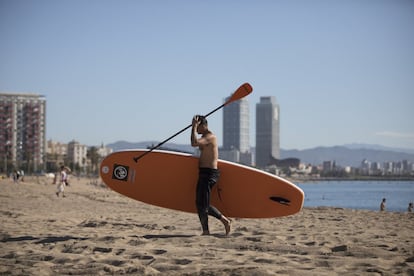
(202, 120)
(202, 124)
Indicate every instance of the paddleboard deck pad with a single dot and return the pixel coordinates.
(169, 179)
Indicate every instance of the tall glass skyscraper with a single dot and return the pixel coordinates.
(236, 126)
(267, 131)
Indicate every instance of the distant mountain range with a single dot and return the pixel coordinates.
(377, 147)
(346, 155)
(124, 145)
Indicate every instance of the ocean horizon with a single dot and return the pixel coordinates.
(360, 195)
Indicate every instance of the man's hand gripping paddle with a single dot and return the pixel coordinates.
(241, 92)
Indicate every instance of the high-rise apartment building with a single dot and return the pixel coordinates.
(236, 126)
(267, 131)
(236, 132)
(22, 132)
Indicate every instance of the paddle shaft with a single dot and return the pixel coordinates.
(169, 138)
(241, 92)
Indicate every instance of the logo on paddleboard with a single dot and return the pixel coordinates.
(120, 172)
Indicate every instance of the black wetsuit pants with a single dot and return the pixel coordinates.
(206, 179)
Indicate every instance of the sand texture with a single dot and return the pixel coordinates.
(95, 231)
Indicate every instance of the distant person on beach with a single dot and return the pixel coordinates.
(21, 175)
(61, 182)
(68, 172)
(16, 176)
(208, 173)
(382, 206)
(410, 207)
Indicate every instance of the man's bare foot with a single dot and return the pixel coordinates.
(227, 224)
(205, 233)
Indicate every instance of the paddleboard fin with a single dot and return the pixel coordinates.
(280, 200)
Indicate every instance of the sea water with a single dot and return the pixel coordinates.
(365, 195)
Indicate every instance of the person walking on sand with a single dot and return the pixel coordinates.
(21, 175)
(61, 182)
(68, 172)
(208, 173)
(382, 206)
(15, 176)
(410, 207)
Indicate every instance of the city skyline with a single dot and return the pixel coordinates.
(136, 71)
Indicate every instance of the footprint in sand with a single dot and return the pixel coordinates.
(159, 251)
(108, 239)
(93, 224)
(102, 250)
(183, 261)
(74, 248)
(115, 262)
(263, 261)
(254, 239)
(119, 252)
(140, 256)
(47, 258)
(136, 242)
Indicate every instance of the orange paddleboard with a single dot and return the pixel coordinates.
(169, 179)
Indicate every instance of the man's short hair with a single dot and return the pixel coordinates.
(202, 120)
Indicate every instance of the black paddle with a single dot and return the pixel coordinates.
(241, 92)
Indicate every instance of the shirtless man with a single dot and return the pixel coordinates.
(208, 173)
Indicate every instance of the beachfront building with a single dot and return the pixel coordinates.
(56, 155)
(77, 156)
(22, 132)
(236, 133)
(57, 148)
(267, 131)
(104, 151)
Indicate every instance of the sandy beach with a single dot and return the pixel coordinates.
(95, 231)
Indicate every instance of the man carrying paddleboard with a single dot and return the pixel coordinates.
(208, 172)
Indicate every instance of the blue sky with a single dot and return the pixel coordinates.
(341, 71)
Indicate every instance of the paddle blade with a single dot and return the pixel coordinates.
(241, 92)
